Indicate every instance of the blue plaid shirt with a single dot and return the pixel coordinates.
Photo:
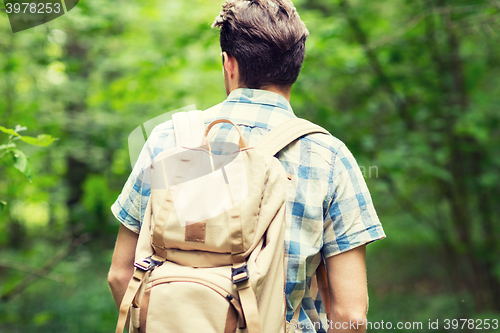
(329, 209)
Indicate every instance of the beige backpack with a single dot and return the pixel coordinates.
(210, 254)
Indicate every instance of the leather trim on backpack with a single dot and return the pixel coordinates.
(231, 320)
(195, 232)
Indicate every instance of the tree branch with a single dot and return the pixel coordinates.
(401, 32)
(361, 36)
(408, 205)
(32, 271)
(45, 269)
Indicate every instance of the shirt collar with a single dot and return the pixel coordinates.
(258, 96)
(252, 107)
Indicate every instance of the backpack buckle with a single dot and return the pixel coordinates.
(239, 274)
(147, 264)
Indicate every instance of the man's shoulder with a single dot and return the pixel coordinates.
(320, 147)
(327, 142)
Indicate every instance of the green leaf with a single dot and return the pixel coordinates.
(22, 163)
(8, 131)
(42, 140)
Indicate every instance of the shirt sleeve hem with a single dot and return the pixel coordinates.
(115, 209)
(131, 228)
(363, 237)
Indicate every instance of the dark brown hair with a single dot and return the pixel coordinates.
(267, 39)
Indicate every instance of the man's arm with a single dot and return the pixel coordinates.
(348, 290)
(122, 264)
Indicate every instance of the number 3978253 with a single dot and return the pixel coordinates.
(33, 8)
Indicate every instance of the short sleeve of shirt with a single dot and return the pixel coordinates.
(131, 204)
(132, 201)
(351, 220)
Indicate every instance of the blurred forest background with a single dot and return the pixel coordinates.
(411, 86)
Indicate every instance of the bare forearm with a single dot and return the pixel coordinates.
(122, 265)
(346, 324)
(118, 288)
(348, 291)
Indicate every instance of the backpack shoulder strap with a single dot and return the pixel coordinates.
(284, 134)
(274, 141)
(188, 128)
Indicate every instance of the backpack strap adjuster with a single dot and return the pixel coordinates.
(240, 273)
(147, 264)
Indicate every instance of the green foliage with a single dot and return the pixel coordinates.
(9, 155)
(42, 140)
(21, 162)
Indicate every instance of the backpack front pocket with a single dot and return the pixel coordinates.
(186, 304)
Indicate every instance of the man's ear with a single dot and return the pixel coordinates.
(230, 65)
